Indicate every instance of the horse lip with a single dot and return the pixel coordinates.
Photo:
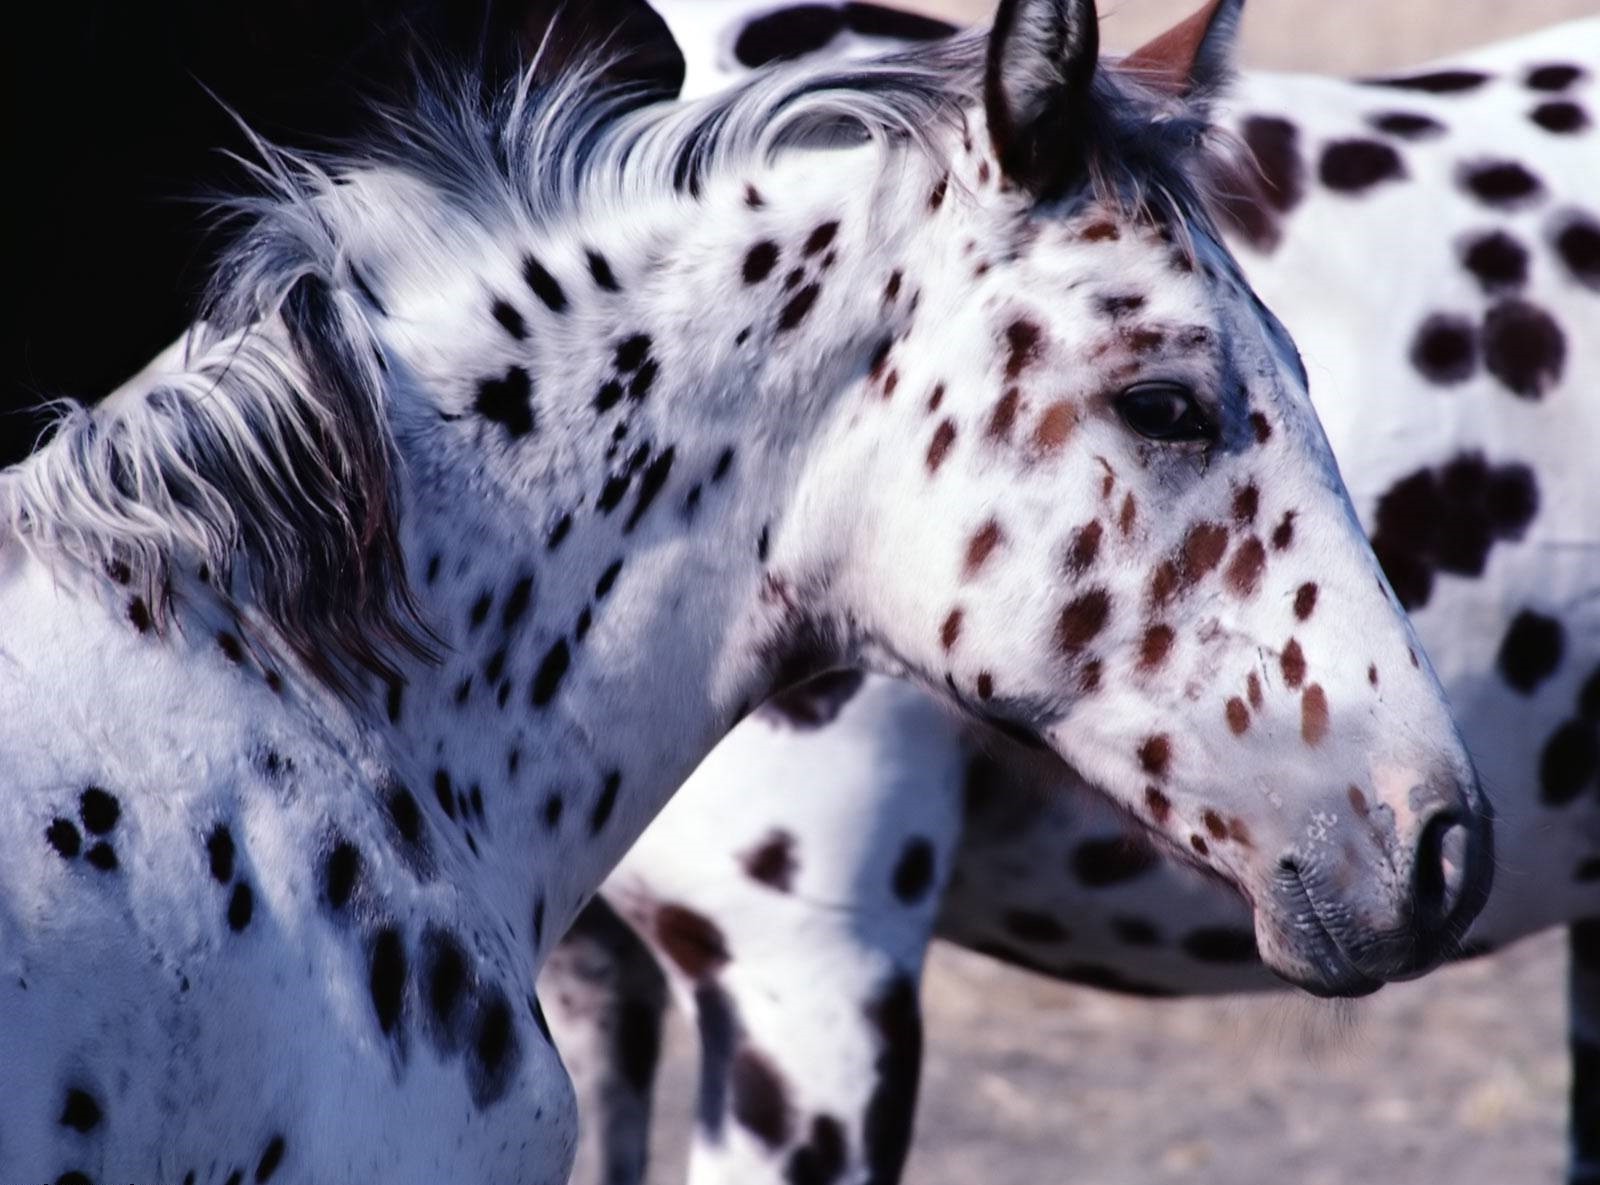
(1339, 974)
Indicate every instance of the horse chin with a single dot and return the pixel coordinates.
(1301, 951)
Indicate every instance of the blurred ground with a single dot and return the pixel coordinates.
(1458, 1079)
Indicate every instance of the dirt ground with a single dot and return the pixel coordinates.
(1457, 1079)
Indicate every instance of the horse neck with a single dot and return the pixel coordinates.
(599, 456)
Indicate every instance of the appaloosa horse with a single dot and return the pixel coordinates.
(521, 451)
(826, 842)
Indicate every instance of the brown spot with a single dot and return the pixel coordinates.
(1215, 825)
(1314, 714)
(890, 382)
(1164, 582)
(1155, 756)
(1239, 833)
(983, 172)
(1372, 675)
(1084, 548)
(950, 631)
(1004, 415)
(943, 437)
(892, 288)
(1143, 340)
(980, 546)
(1082, 619)
(690, 940)
(1252, 690)
(1202, 550)
(935, 399)
(1089, 677)
(985, 685)
(1199, 845)
(1305, 600)
(1055, 426)
(1260, 426)
(940, 187)
(1238, 716)
(1157, 803)
(1293, 662)
(1283, 533)
(1358, 801)
(1246, 501)
(1100, 231)
(753, 198)
(1244, 570)
(1155, 646)
(772, 861)
(1022, 345)
(1126, 516)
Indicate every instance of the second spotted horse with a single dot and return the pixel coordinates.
(1427, 237)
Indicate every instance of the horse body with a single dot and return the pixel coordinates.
(1369, 229)
(350, 646)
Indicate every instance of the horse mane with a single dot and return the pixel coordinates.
(268, 458)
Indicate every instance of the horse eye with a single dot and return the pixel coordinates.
(1163, 411)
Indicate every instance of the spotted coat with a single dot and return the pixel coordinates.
(1456, 393)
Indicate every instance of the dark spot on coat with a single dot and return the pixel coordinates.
(1560, 117)
(943, 437)
(508, 401)
(1029, 925)
(759, 1099)
(1445, 349)
(271, 1158)
(552, 669)
(232, 648)
(1004, 415)
(1552, 77)
(1256, 193)
(1293, 663)
(1531, 650)
(1158, 804)
(219, 853)
(99, 810)
(1083, 619)
(796, 307)
(913, 871)
(139, 615)
(1569, 762)
(1408, 125)
(820, 1160)
(1220, 944)
(772, 862)
(814, 702)
(404, 814)
(241, 906)
(1314, 715)
(1155, 646)
(1434, 82)
(543, 284)
(1245, 568)
(1022, 346)
(1237, 715)
(340, 871)
(1305, 600)
(982, 544)
(102, 856)
(759, 261)
(1113, 860)
(1350, 166)
(691, 940)
(654, 477)
(1084, 548)
(886, 1134)
(495, 1049)
(1155, 756)
(386, 979)
(1447, 519)
(1501, 184)
(819, 238)
(605, 802)
(80, 1111)
(1496, 259)
(510, 320)
(1524, 348)
(1578, 245)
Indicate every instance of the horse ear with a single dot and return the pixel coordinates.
(557, 34)
(1041, 63)
(1194, 58)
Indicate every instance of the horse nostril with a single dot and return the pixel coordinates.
(1440, 875)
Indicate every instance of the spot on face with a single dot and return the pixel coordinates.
(1155, 756)
(507, 401)
(772, 862)
(1314, 715)
(980, 547)
(691, 940)
(1083, 619)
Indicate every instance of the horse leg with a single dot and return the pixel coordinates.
(605, 998)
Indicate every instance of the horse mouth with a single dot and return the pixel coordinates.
(1327, 969)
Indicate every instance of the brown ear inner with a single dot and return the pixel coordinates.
(1167, 61)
